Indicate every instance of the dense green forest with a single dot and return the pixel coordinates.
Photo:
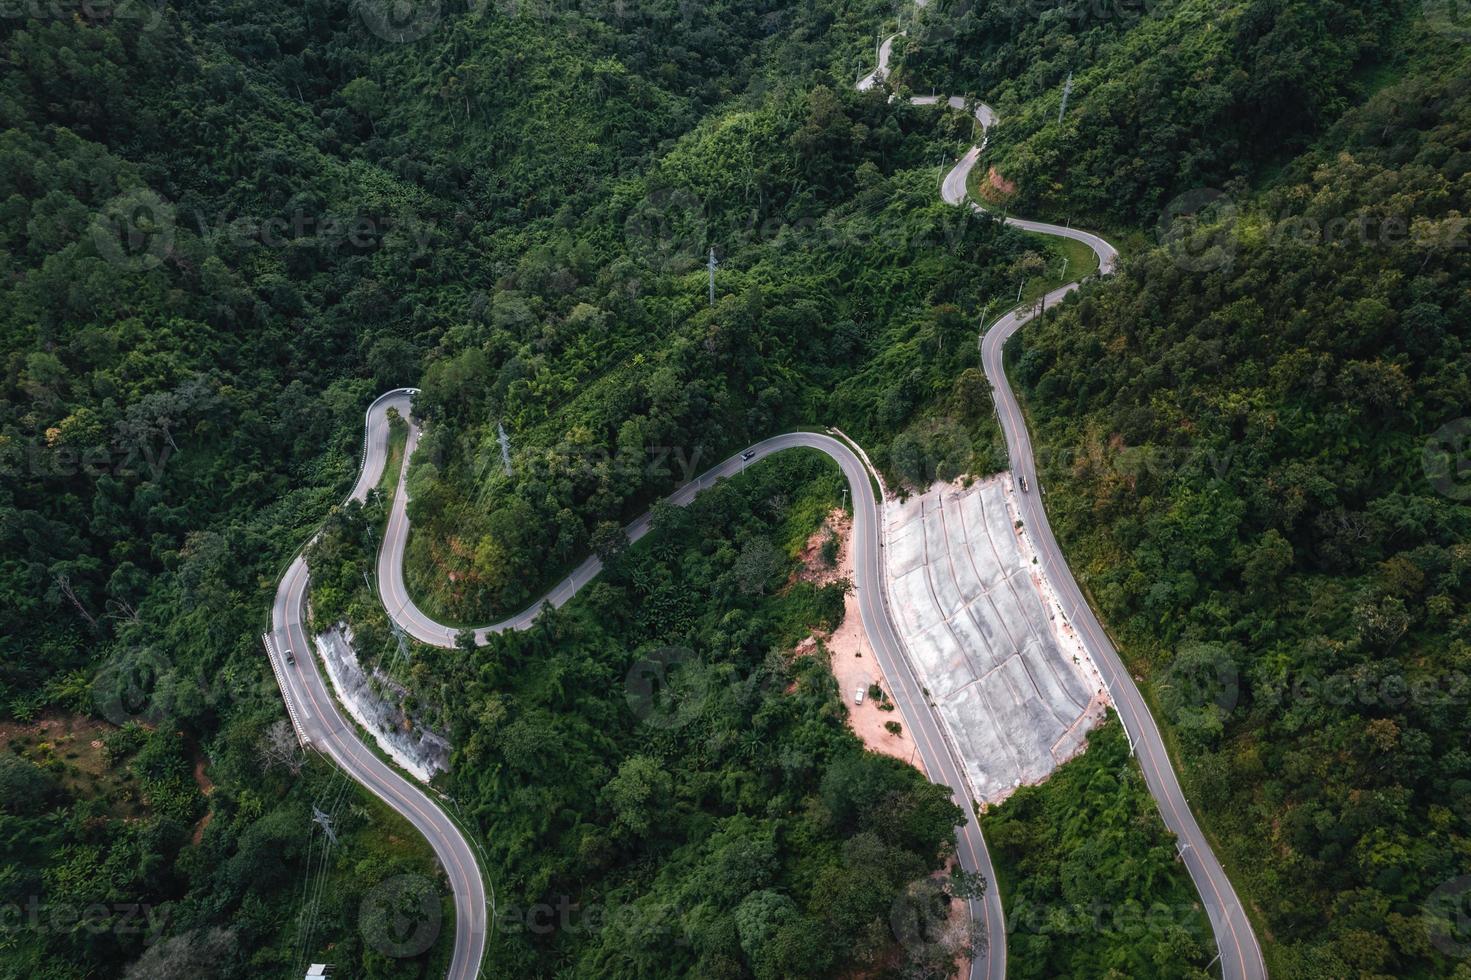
(1166, 97)
(1088, 875)
(225, 227)
(655, 764)
(842, 299)
(1255, 450)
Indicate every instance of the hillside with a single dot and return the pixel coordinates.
(224, 228)
(1255, 438)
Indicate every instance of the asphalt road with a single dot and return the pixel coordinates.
(319, 724)
(886, 49)
(318, 721)
(1241, 955)
(906, 691)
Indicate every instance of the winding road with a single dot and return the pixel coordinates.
(905, 688)
(320, 725)
(1240, 952)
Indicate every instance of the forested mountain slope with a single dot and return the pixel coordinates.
(1256, 438)
(224, 228)
(728, 824)
(1165, 97)
(840, 297)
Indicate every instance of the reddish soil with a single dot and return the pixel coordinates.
(996, 189)
(849, 653)
(71, 746)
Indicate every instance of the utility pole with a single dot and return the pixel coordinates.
(324, 821)
(1067, 89)
(712, 275)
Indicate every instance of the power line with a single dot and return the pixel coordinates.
(315, 884)
(324, 820)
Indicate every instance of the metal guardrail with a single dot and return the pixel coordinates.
(273, 655)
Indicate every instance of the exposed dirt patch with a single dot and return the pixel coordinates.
(959, 920)
(996, 189)
(204, 822)
(71, 747)
(201, 778)
(849, 653)
(821, 558)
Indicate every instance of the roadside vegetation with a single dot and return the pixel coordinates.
(844, 297)
(1244, 440)
(1089, 875)
(1166, 97)
(654, 758)
(226, 228)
